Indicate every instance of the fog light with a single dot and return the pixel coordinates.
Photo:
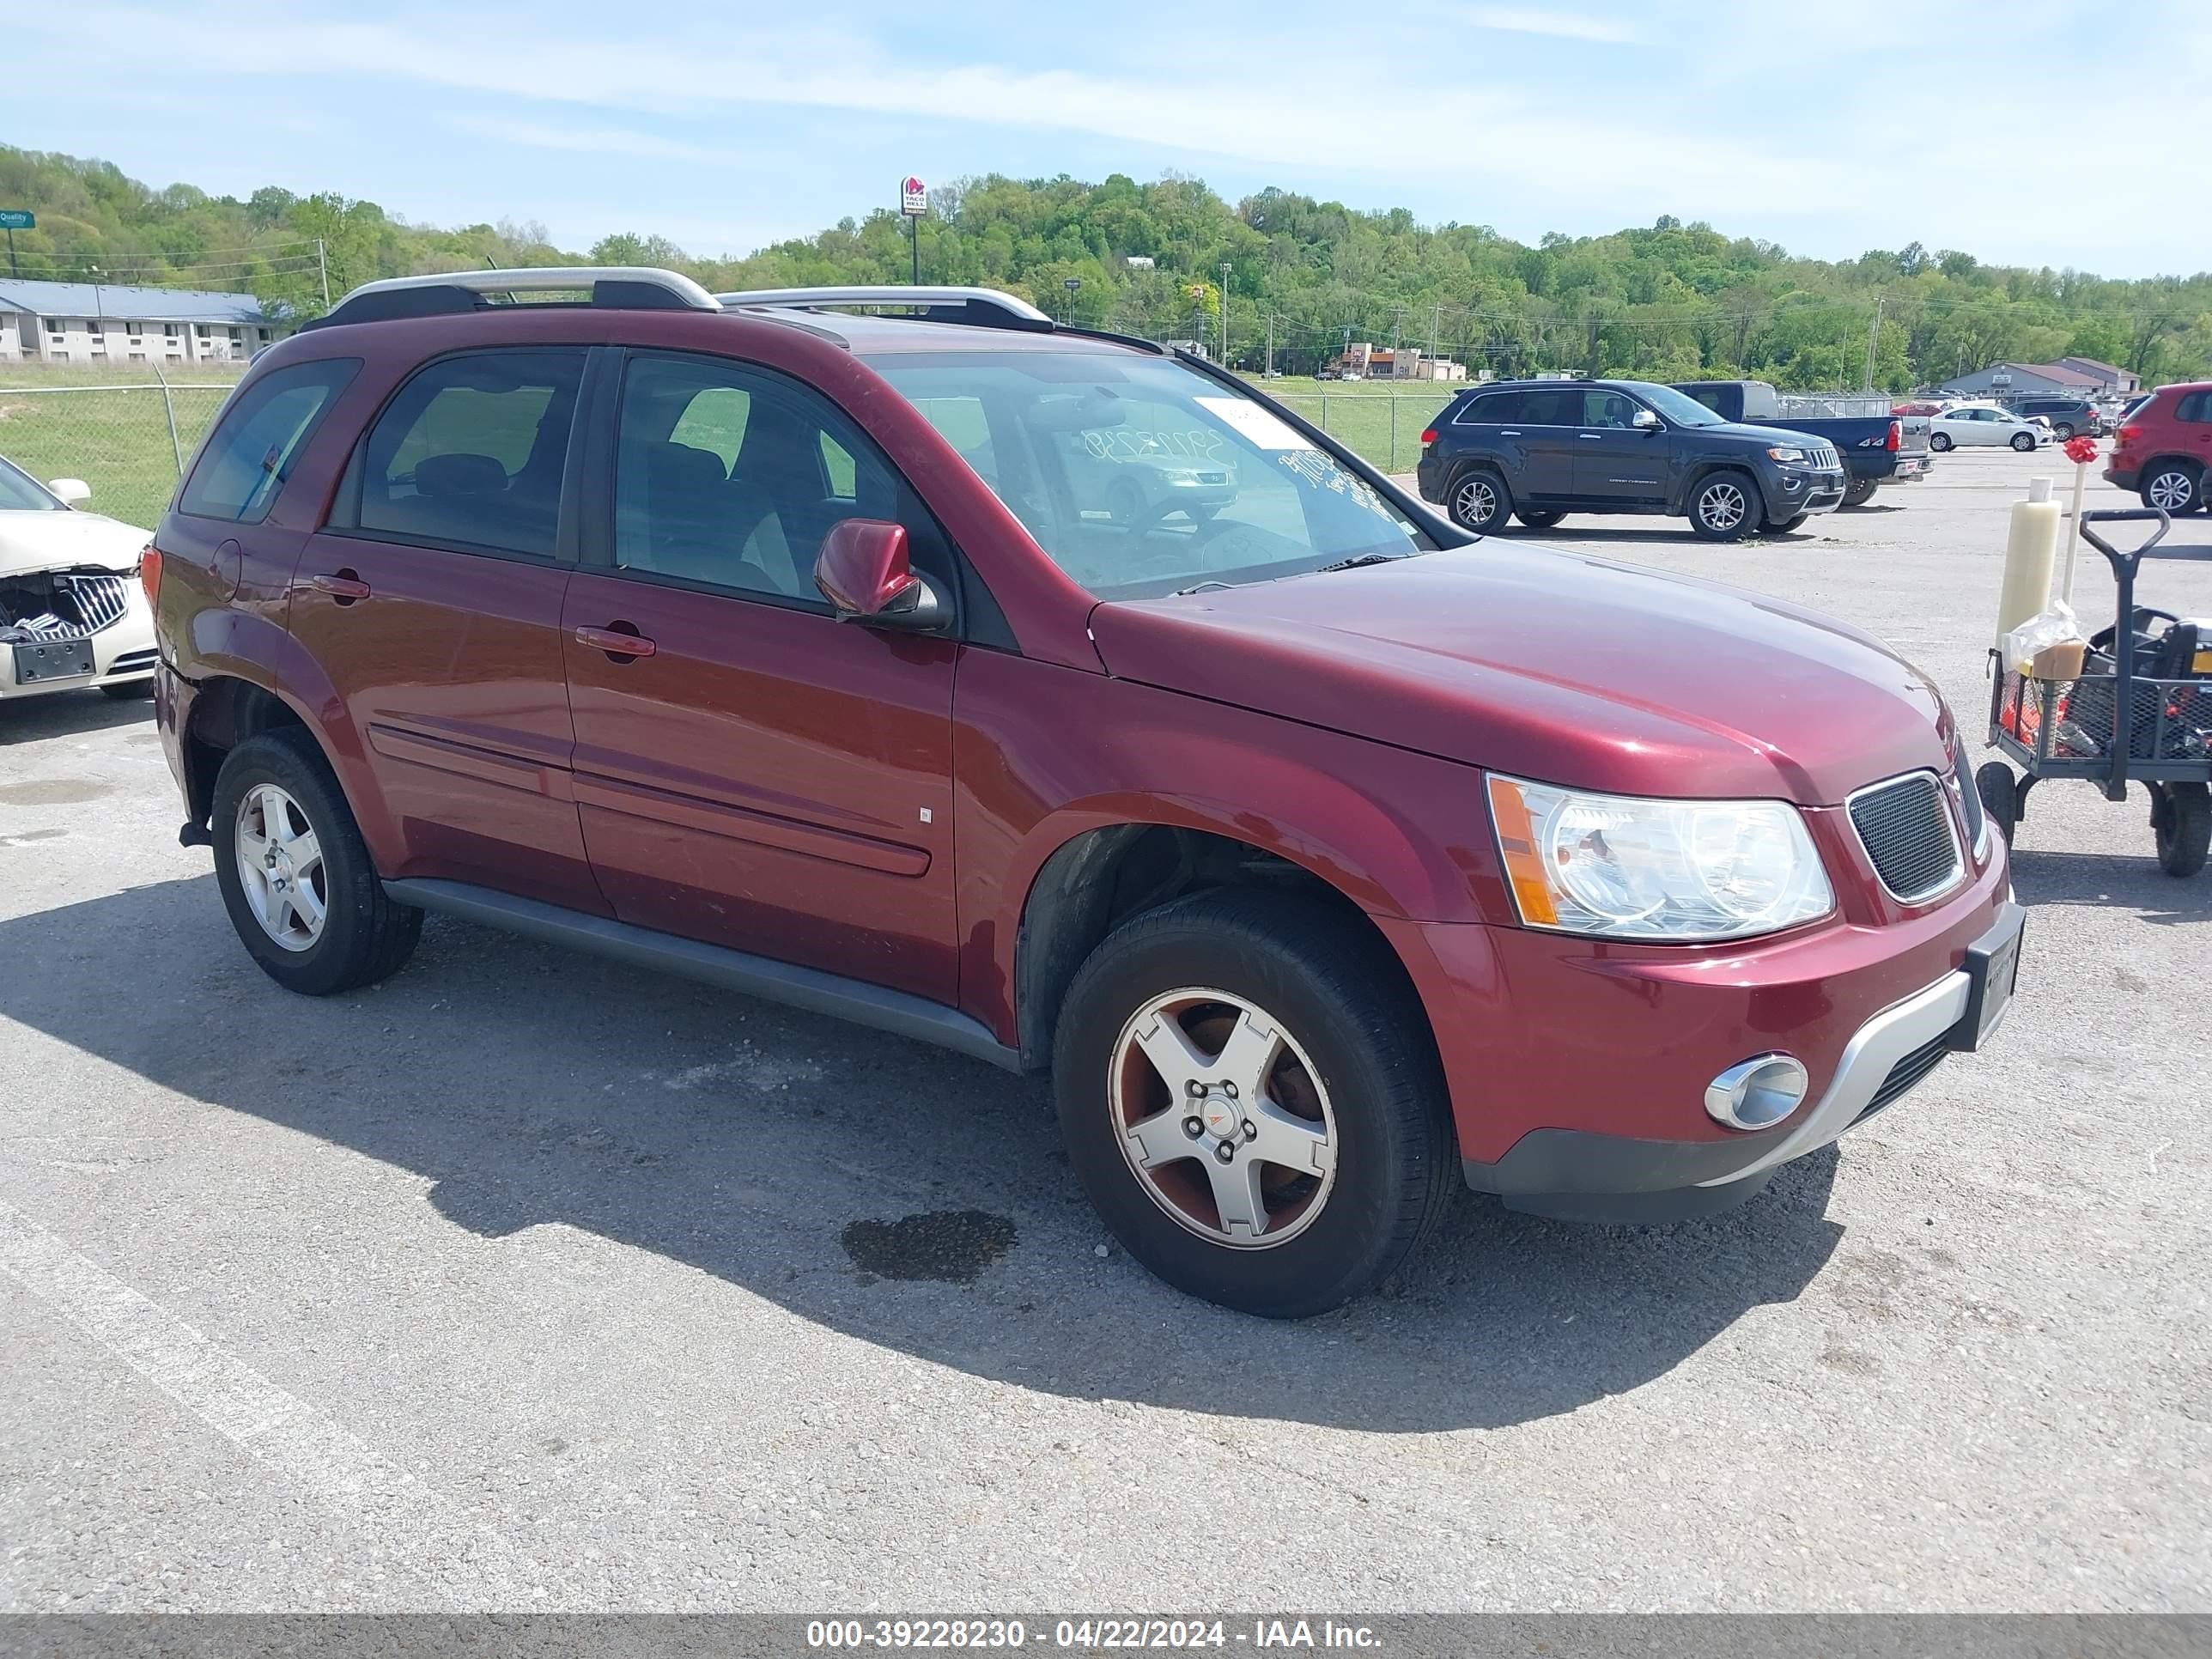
(1758, 1093)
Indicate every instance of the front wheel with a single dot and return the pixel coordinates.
(295, 875)
(2062, 431)
(1859, 491)
(2000, 793)
(1479, 499)
(1249, 1092)
(1939, 441)
(1724, 506)
(2183, 824)
(1780, 526)
(2023, 442)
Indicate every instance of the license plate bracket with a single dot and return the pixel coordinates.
(52, 660)
(1992, 968)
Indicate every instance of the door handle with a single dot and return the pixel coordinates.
(1591, 437)
(622, 642)
(1509, 435)
(343, 585)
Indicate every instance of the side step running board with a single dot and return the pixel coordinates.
(810, 988)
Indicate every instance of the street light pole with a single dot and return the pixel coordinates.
(1225, 313)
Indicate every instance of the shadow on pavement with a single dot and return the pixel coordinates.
(2114, 882)
(532, 1085)
(67, 713)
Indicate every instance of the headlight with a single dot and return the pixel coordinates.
(1680, 870)
(1786, 453)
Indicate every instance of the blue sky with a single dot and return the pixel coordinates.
(1990, 127)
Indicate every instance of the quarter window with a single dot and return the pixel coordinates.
(245, 462)
(732, 476)
(1562, 407)
(471, 451)
(2197, 406)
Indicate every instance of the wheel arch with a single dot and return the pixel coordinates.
(1702, 471)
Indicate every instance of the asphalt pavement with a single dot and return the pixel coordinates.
(527, 1282)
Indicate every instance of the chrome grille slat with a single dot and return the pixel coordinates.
(1909, 835)
(99, 600)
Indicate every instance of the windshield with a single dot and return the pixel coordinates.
(1141, 477)
(1678, 407)
(20, 493)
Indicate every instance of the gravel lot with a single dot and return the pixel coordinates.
(527, 1282)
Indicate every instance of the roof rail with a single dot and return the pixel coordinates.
(980, 308)
(629, 288)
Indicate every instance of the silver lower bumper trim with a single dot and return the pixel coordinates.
(1868, 1060)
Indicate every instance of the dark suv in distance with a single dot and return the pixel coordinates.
(1542, 449)
(1324, 859)
(2067, 416)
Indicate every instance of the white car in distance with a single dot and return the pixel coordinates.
(72, 613)
(1983, 423)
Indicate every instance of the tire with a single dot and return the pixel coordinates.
(1780, 526)
(131, 690)
(2000, 793)
(1859, 491)
(2175, 486)
(1353, 1053)
(1479, 501)
(362, 936)
(1940, 442)
(1535, 519)
(2023, 442)
(2062, 431)
(1724, 506)
(2183, 824)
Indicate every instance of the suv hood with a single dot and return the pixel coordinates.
(63, 541)
(1555, 666)
(1768, 436)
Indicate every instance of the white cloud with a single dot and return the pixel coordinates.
(588, 140)
(1561, 25)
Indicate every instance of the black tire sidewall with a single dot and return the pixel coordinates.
(2185, 829)
(1940, 442)
(1999, 794)
(1383, 1089)
(1501, 496)
(341, 957)
(1755, 510)
(2023, 448)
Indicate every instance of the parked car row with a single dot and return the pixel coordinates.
(2163, 448)
(71, 611)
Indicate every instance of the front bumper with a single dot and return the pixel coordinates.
(1577, 1068)
(2124, 478)
(1797, 490)
(1910, 469)
(121, 653)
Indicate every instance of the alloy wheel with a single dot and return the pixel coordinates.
(280, 867)
(1474, 503)
(1722, 505)
(1222, 1118)
(2172, 490)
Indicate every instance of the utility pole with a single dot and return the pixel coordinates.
(1874, 335)
(1225, 313)
(1436, 323)
(1270, 347)
(323, 264)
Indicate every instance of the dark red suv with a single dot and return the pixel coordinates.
(1047, 695)
(2163, 448)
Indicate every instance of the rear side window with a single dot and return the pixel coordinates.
(1548, 408)
(247, 456)
(1490, 409)
(470, 454)
(1710, 395)
(2197, 406)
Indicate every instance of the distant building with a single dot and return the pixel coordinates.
(2025, 380)
(1365, 360)
(1138, 261)
(2115, 379)
(108, 323)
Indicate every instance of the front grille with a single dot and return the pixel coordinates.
(1906, 831)
(99, 601)
(1970, 798)
(1907, 1072)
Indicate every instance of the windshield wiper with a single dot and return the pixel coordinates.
(1199, 587)
(1364, 558)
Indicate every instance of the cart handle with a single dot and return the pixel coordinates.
(2149, 549)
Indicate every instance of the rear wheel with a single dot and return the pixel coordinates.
(1859, 491)
(2062, 429)
(2023, 442)
(1939, 441)
(1536, 520)
(1479, 499)
(2173, 486)
(2182, 820)
(2000, 793)
(295, 875)
(1249, 1092)
(1724, 506)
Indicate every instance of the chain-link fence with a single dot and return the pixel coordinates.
(1383, 427)
(129, 441)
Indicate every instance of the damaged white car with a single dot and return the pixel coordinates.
(72, 613)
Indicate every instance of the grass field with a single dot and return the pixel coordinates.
(92, 424)
(1383, 422)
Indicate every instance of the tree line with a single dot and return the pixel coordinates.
(1284, 279)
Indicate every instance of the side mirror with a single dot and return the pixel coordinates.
(864, 571)
(1645, 421)
(70, 492)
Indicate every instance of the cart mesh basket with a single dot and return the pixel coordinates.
(2078, 719)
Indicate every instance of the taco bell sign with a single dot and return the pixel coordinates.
(913, 198)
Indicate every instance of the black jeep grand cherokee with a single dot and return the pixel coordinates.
(1542, 449)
